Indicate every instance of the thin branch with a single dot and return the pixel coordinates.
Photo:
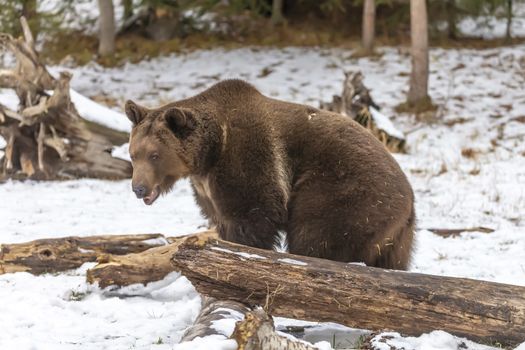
(27, 32)
(40, 142)
(35, 110)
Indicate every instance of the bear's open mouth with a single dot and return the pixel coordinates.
(152, 196)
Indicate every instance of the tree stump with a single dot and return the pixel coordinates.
(46, 138)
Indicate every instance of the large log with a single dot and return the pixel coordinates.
(353, 295)
(61, 254)
(46, 137)
(144, 267)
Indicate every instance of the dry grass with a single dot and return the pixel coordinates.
(469, 153)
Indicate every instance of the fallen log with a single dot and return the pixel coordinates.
(213, 310)
(61, 254)
(321, 290)
(356, 296)
(144, 267)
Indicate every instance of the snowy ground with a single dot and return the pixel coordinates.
(467, 169)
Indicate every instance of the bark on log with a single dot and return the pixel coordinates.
(60, 254)
(144, 267)
(47, 139)
(356, 296)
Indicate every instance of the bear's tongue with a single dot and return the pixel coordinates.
(152, 197)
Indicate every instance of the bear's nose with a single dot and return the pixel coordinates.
(140, 191)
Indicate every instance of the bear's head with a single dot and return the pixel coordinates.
(162, 148)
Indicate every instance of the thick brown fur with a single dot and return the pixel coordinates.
(259, 166)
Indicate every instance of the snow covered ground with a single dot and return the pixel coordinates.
(467, 168)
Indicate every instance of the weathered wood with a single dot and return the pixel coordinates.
(353, 295)
(144, 267)
(257, 332)
(355, 102)
(213, 310)
(49, 139)
(60, 254)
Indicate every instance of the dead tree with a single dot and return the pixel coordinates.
(46, 138)
(357, 103)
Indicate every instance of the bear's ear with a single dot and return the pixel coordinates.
(181, 121)
(134, 112)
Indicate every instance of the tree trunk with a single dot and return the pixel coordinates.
(508, 35)
(277, 12)
(369, 17)
(61, 254)
(353, 295)
(46, 138)
(451, 10)
(106, 45)
(29, 11)
(418, 92)
(128, 9)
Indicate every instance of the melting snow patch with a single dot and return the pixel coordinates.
(243, 254)
(84, 251)
(292, 261)
(156, 241)
(384, 123)
(121, 152)
(92, 111)
(436, 340)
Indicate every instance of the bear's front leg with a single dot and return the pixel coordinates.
(257, 231)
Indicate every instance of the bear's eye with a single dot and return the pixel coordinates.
(154, 156)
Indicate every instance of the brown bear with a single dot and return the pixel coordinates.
(260, 166)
